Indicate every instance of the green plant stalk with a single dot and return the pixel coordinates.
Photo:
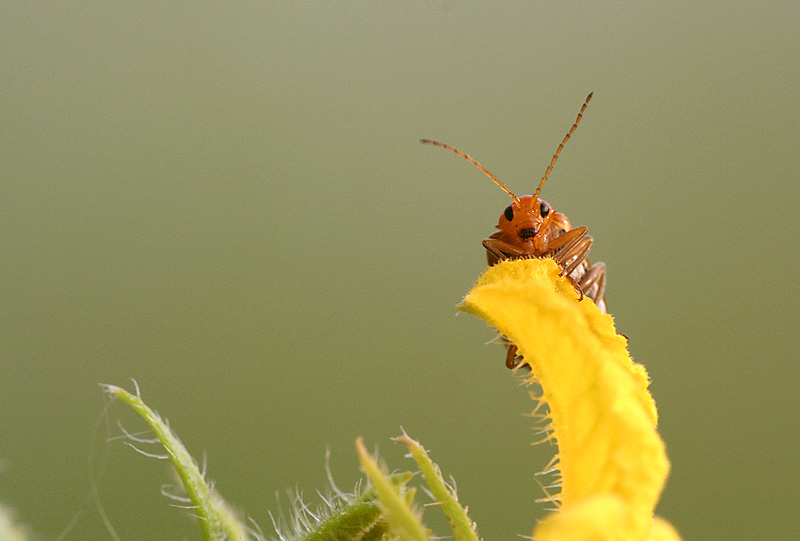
(216, 521)
(398, 511)
(463, 527)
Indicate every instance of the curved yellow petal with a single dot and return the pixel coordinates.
(612, 462)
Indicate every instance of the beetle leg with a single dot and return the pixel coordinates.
(511, 357)
(566, 239)
(501, 250)
(572, 246)
(575, 254)
(595, 277)
(569, 252)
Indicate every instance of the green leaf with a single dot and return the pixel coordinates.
(348, 516)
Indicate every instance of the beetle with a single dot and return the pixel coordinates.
(530, 228)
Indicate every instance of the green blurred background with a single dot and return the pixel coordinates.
(228, 202)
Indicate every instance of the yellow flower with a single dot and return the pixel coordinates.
(612, 462)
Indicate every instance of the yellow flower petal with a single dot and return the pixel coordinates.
(612, 461)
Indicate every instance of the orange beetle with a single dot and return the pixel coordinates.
(529, 227)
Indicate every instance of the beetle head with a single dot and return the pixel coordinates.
(526, 220)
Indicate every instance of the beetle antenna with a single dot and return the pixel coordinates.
(474, 162)
(561, 146)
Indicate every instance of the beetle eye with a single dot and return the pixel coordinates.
(509, 213)
(544, 209)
